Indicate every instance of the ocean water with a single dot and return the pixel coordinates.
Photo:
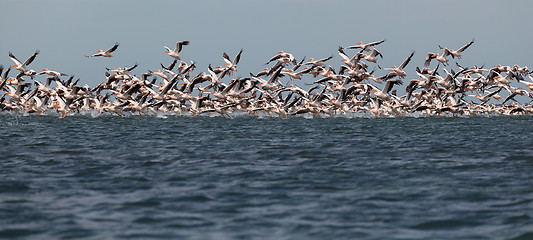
(266, 178)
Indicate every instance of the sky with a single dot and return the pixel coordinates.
(66, 30)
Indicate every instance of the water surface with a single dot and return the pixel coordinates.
(266, 178)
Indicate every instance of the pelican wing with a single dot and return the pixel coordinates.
(14, 59)
(112, 49)
(179, 45)
(226, 58)
(429, 56)
(237, 58)
(404, 64)
(465, 46)
(30, 59)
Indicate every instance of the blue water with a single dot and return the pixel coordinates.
(266, 178)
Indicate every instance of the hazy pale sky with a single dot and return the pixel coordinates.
(67, 30)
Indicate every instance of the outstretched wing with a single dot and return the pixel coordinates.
(237, 58)
(112, 49)
(226, 58)
(179, 45)
(465, 46)
(428, 58)
(14, 59)
(404, 64)
(31, 58)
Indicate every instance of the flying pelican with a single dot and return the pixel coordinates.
(282, 54)
(440, 58)
(372, 56)
(175, 53)
(22, 66)
(486, 98)
(319, 62)
(106, 53)
(51, 73)
(231, 65)
(397, 71)
(459, 51)
(350, 62)
(365, 47)
(384, 94)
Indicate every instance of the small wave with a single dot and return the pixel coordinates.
(523, 236)
(444, 224)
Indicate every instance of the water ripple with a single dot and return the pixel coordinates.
(266, 178)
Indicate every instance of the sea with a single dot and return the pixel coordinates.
(263, 177)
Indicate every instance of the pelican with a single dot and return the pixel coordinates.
(365, 47)
(440, 58)
(22, 66)
(486, 98)
(459, 51)
(282, 54)
(231, 65)
(520, 92)
(297, 75)
(398, 71)
(384, 93)
(106, 53)
(350, 62)
(372, 56)
(51, 73)
(175, 53)
(319, 62)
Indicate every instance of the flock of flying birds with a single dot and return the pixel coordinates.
(353, 88)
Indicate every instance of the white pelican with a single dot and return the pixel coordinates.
(319, 62)
(384, 94)
(350, 62)
(297, 75)
(365, 47)
(282, 54)
(372, 56)
(398, 71)
(486, 98)
(459, 51)
(106, 53)
(440, 58)
(231, 65)
(22, 66)
(51, 73)
(175, 53)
